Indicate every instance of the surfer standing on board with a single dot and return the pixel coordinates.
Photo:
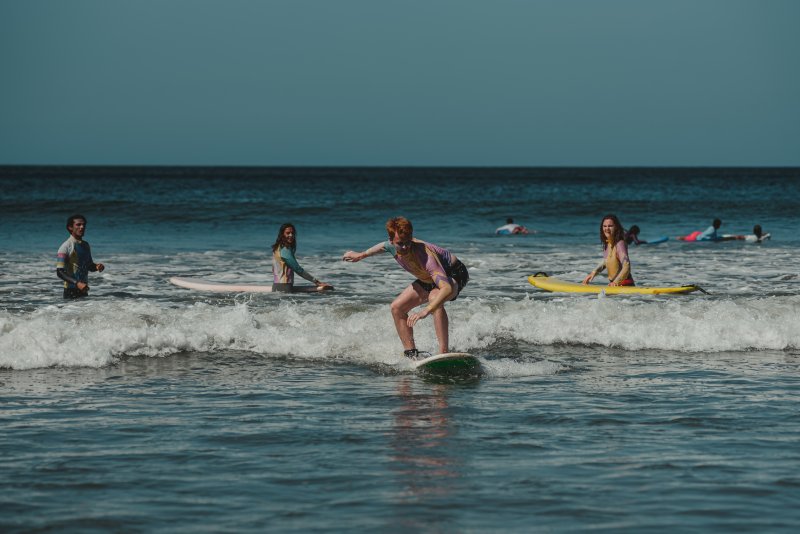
(440, 278)
(284, 264)
(74, 260)
(615, 254)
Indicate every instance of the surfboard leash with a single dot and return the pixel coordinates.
(698, 288)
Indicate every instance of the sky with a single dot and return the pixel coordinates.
(408, 83)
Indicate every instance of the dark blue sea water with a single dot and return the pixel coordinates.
(152, 408)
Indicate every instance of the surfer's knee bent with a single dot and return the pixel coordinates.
(397, 310)
(400, 308)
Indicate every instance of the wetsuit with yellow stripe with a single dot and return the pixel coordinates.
(284, 266)
(73, 264)
(616, 261)
(432, 265)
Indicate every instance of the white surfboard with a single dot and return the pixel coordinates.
(221, 287)
(751, 238)
(448, 362)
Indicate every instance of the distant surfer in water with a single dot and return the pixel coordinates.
(759, 234)
(511, 228)
(74, 260)
(284, 264)
(632, 236)
(709, 234)
(615, 254)
(440, 278)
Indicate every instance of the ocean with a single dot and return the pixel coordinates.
(151, 408)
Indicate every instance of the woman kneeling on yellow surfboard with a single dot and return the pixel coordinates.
(615, 254)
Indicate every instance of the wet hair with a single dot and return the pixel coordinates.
(757, 230)
(72, 218)
(281, 241)
(618, 231)
(634, 230)
(717, 223)
(400, 226)
(509, 221)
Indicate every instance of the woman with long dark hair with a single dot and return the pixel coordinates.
(615, 254)
(284, 263)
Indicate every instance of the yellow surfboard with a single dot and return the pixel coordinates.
(550, 283)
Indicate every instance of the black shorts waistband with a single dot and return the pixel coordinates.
(458, 272)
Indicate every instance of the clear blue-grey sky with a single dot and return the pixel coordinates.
(376, 82)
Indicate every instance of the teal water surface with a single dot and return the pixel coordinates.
(151, 408)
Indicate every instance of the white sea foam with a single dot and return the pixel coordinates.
(666, 324)
(135, 312)
(98, 333)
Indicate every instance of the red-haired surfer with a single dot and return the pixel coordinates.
(440, 278)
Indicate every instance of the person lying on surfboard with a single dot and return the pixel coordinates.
(511, 228)
(615, 254)
(440, 278)
(709, 234)
(284, 264)
(759, 234)
(632, 236)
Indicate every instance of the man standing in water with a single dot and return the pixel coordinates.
(440, 278)
(74, 260)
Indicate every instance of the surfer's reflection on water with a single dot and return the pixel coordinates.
(421, 441)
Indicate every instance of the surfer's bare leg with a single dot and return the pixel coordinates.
(442, 324)
(410, 298)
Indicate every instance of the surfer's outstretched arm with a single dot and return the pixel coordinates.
(353, 256)
(288, 256)
(597, 270)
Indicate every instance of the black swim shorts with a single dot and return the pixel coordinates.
(458, 272)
